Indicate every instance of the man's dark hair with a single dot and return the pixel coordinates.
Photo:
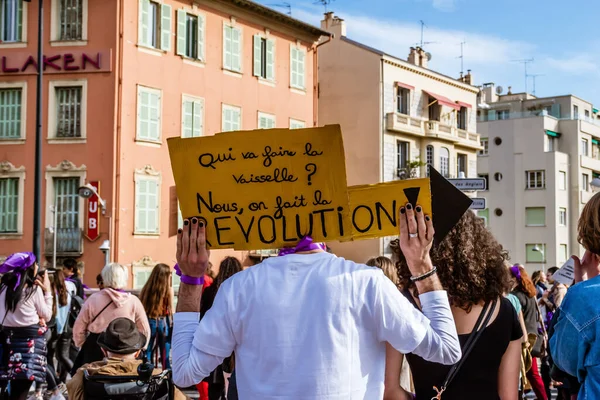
(552, 270)
(70, 263)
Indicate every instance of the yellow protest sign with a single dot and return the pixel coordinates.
(264, 189)
(374, 208)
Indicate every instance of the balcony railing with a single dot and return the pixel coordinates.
(69, 241)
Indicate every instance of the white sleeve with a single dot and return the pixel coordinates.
(430, 335)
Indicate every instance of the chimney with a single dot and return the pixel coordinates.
(468, 79)
(413, 56)
(422, 57)
(334, 25)
(509, 90)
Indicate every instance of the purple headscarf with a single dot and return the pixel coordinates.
(306, 244)
(17, 262)
(516, 272)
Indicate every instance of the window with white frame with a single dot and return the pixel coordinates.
(266, 121)
(9, 205)
(68, 100)
(429, 154)
(154, 25)
(297, 67)
(403, 154)
(147, 204)
(550, 143)
(70, 19)
(190, 35)
(562, 180)
(484, 142)
(535, 216)
(535, 179)
(12, 110)
(11, 21)
(462, 118)
(264, 57)
(444, 162)
(192, 119)
(148, 114)
(141, 276)
(502, 114)
(585, 145)
(232, 48)
(585, 182)
(231, 118)
(403, 100)
(563, 253)
(66, 194)
(297, 124)
(562, 216)
(575, 112)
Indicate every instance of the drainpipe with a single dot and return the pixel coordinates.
(382, 133)
(316, 90)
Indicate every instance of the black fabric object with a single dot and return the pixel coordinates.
(131, 387)
(74, 310)
(448, 204)
(90, 352)
(122, 336)
(23, 354)
(478, 377)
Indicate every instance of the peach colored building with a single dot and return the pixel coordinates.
(393, 113)
(116, 86)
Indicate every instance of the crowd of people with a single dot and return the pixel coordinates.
(454, 321)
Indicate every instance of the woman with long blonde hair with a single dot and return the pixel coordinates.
(157, 299)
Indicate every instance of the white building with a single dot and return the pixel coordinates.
(539, 156)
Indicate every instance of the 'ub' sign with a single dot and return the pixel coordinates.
(93, 215)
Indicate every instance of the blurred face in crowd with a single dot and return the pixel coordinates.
(549, 277)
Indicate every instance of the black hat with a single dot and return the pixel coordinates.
(122, 337)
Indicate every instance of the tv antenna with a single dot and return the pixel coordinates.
(462, 57)
(286, 5)
(533, 76)
(324, 3)
(525, 62)
(422, 43)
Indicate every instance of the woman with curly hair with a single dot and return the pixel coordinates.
(524, 290)
(471, 267)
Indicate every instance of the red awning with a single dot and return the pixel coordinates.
(405, 86)
(463, 104)
(443, 100)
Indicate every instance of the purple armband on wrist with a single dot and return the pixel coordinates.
(188, 280)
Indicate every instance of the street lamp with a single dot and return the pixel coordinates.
(537, 249)
(86, 191)
(105, 248)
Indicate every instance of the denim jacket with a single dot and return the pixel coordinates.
(575, 345)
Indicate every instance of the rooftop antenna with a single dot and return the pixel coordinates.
(285, 5)
(533, 76)
(462, 57)
(324, 3)
(525, 62)
(422, 43)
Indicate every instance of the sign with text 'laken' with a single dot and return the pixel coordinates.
(264, 189)
(374, 208)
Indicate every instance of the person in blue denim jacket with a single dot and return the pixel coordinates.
(575, 345)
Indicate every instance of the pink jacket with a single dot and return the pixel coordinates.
(121, 305)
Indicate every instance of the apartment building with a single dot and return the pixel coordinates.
(540, 156)
(394, 113)
(116, 86)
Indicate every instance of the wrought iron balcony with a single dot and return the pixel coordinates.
(69, 242)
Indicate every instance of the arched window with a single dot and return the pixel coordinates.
(429, 157)
(444, 162)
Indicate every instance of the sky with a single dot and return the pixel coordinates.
(561, 37)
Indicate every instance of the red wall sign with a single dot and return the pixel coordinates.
(93, 214)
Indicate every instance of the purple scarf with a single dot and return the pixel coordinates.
(17, 263)
(306, 244)
(516, 272)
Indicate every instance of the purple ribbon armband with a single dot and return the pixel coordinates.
(306, 244)
(188, 280)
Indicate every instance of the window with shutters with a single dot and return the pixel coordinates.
(444, 162)
(141, 276)
(154, 25)
(562, 180)
(9, 205)
(563, 252)
(429, 157)
(264, 57)
(535, 179)
(484, 142)
(147, 203)
(192, 119)
(403, 100)
(12, 111)
(67, 206)
(297, 124)
(190, 35)
(68, 111)
(148, 115)
(70, 19)
(297, 67)
(461, 118)
(266, 121)
(535, 216)
(11, 21)
(232, 48)
(231, 118)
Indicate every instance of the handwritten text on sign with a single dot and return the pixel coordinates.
(374, 208)
(265, 188)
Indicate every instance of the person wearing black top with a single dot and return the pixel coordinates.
(471, 266)
(216, 381)
(71, 272)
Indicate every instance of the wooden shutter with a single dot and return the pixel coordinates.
(154, 114)
(181, 32)
(293, 67)
(187, 119)
(153, 205)
(236, 49)
(301, 68)
(197, 118)
(227, 47)
(165, 27)
(201, 23)
(257, 55)
(271, 59)
(143, 19)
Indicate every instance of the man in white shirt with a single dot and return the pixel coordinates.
(310, 325)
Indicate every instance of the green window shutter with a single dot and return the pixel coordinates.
(10, 113)
(19, 21)
(227, 63)
(165, 27)
(9, 205)
(198, 113)
(257, 55)
(293, 67)
(143, 19)
(139, 200)
(188, 119)
(535, 216)
(236, 49)
(143, 114)
(236, 117)
(301, 69)
(154, 116)
(271, 59)
(201, 30)
(534, 256)
(485, 214)
(181, 32)
(153, 206)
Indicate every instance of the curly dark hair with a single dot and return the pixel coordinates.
(470, 262)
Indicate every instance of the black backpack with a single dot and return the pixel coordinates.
(76, 306)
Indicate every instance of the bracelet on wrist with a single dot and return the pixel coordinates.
(192, 280)
(424, 276)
